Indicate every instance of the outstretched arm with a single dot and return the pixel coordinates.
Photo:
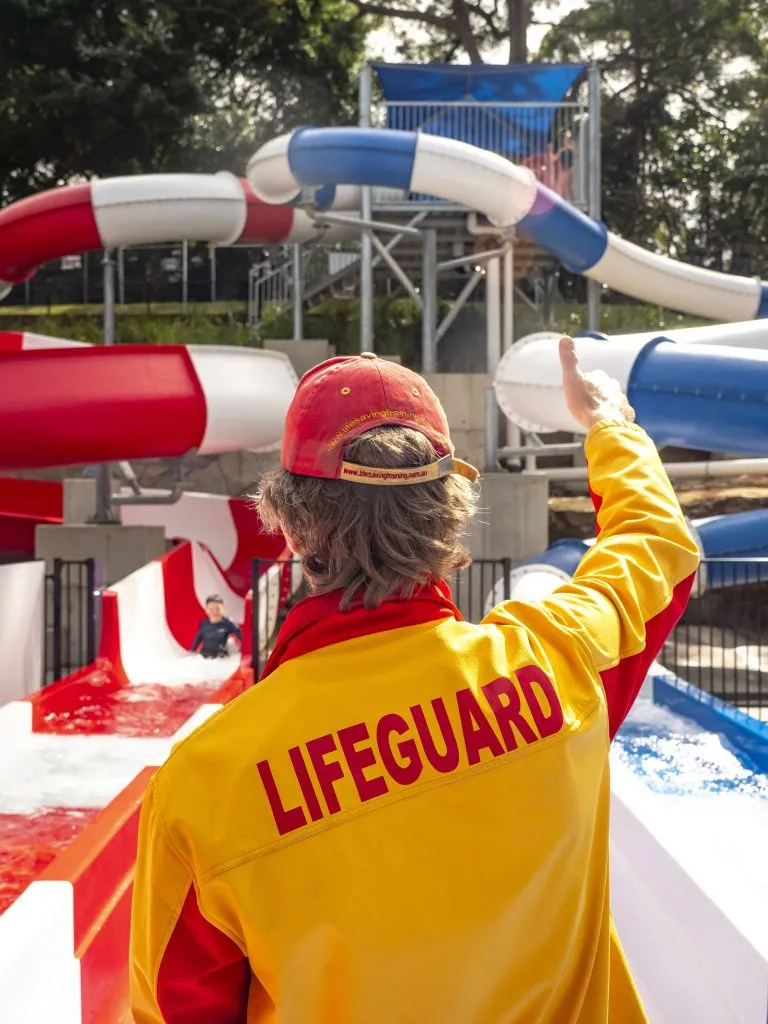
(632, 586)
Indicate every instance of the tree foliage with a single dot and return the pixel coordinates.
(685, 105)
(684, 99)
(118, 86)
(452, 29)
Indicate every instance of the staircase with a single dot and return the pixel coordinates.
(327, 272)
(332, 271)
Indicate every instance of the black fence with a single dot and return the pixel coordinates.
(71, 617)
(278, 585)
(148, 275)
(721, 642)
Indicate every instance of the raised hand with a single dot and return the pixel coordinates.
(594, 396)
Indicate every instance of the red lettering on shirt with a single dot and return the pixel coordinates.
(400, 748)
(358, 760)
(286, 820)
(449, 761)
(327, 772)
(404, 773)
(530, 676)
(477, 730)
(505, 703)
(305, 782)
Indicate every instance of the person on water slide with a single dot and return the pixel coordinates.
(407, 819)
(216, 635)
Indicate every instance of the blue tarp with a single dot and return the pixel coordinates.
(416, 94)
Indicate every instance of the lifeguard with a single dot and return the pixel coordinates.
(406, 821)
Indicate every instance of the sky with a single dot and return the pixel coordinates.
(382, 44)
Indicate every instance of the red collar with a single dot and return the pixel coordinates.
(317, 622)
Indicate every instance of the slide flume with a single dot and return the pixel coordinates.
(707, 396)
(145, 209)
(140, 401)
(510, 196)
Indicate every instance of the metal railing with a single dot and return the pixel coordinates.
(71, 617)
(271, 284)
(721, 642)
(549, 138)
(278, 585)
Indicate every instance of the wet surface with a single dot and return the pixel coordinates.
(28, 844)
(143, 710)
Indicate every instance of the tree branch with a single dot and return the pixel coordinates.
(387, 11)
(462, 28)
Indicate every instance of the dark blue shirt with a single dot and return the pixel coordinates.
(211, 637)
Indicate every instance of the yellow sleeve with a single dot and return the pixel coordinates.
(160, 886)
(633, 584)
(181, 966)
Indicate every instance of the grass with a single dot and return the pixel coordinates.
(136, 309)
(396, 320)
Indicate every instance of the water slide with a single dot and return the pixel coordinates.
(147, 209)
(139, 401)
(68, 818)
(510, 196)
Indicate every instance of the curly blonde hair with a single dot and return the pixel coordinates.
(362, 538)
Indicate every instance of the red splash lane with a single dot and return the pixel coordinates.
(101, 705)
(28, 844)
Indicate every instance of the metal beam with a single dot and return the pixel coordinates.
(458, 305)
(396, 269)
(365, 100)
(429, 301)
(104, 513)
(543, 452)
(298, 293)
(477, 259)
(594, 288)
(366, 222)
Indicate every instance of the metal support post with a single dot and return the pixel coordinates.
(508, 316)
(365, 97)
(297, 272)
(508, 323)
(493, 314)
(429, 302)
(121, 276)
(184, 273)
(491, 431)
(212, 266)
(594, 186)
(104, 513)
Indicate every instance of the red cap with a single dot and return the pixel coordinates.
(343, 398)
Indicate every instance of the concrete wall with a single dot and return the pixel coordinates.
(118, 550)
(302, 354)
(463, 398)
(22, 595)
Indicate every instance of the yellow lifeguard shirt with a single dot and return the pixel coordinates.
(406, 822)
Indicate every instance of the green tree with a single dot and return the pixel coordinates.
(103, 87)
(684, 100)
(456, 27)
